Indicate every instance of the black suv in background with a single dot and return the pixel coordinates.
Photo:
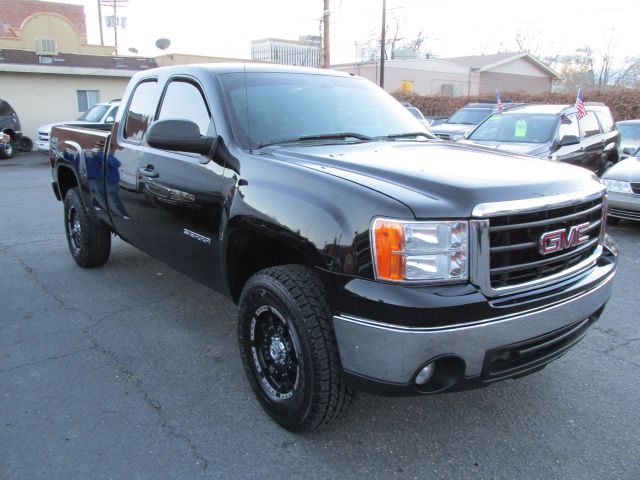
(554, 132)
(466, 119)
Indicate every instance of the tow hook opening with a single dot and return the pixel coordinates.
(439, 374)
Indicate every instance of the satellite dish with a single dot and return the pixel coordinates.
(163, 43)
(133, 50)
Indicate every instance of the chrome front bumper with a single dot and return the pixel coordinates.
(392, 355)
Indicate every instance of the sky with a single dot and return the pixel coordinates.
(225, 28)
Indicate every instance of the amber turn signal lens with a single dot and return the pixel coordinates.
(389, 243)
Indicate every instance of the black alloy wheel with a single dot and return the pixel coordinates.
(274, 353)
(289, 350)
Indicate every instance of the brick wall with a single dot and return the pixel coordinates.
(14, 12)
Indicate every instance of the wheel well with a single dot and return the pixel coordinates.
(66, 180)
(11, 133)
(249, 253)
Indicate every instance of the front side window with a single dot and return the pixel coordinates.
(141, 110)
(87, 99)
(568, 126)
(269, 108)
(590, 126)
(525, 128)
(184, 100)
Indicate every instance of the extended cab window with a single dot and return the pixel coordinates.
(568, 126)
(590, 125)
(184, 100)
(141, 109)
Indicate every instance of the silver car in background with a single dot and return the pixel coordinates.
(623, 186)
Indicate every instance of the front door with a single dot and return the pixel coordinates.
(182, 205)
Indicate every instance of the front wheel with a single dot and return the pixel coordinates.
(89, 243)
(288, 348)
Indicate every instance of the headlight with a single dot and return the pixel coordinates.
(423, 252)
(617, 186)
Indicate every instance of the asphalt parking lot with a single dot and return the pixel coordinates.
(132, 371)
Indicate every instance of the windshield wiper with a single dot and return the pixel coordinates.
(404, 135)
(324, 136)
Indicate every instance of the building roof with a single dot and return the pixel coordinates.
(14, 13)
(488, 62)
(102, 62)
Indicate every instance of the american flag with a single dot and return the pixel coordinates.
(499, 101)
(580, 105)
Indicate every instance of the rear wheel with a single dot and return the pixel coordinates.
(8, 151)
(289, 350)
(89, 244)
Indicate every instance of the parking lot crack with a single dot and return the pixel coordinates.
(61, 304)
(48, 359)
(153, 404)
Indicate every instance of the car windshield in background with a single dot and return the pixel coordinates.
(629, 132)
(415, 112)
(470, 116)
(516, 128)
(268, 108)
(94, 114)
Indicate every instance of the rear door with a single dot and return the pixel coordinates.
(122, 179)
(183, 197)
(592, 142)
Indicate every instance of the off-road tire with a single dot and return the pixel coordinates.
(89, 243)
(319, 394)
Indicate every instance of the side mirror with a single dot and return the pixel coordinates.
(179, 135)
(109, 119)
(568, 140)
(628, 150)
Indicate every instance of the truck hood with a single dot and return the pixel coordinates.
(452, 128)
(440, 179)
(535, 149)
(627, 170)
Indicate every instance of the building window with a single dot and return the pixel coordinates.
(87, 99)
(46, 46)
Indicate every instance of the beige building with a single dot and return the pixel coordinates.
(460, 76)
(509, 72)
(420, 76)
(48, 72)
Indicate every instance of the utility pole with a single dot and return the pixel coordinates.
(326, 60)
(100, 21)
(382, 42)
(115, 24)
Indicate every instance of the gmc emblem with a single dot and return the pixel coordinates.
(558, 240)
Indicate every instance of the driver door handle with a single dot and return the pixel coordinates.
(148, 171)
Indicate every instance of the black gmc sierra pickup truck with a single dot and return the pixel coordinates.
(363, 254)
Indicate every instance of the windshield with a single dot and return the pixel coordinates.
(280, 107)
(415, 112)
(470, 116)
(94, 114)
(524, 128)
(629, 132)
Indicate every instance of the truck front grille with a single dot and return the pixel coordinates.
(515, 253)
(512, 241)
